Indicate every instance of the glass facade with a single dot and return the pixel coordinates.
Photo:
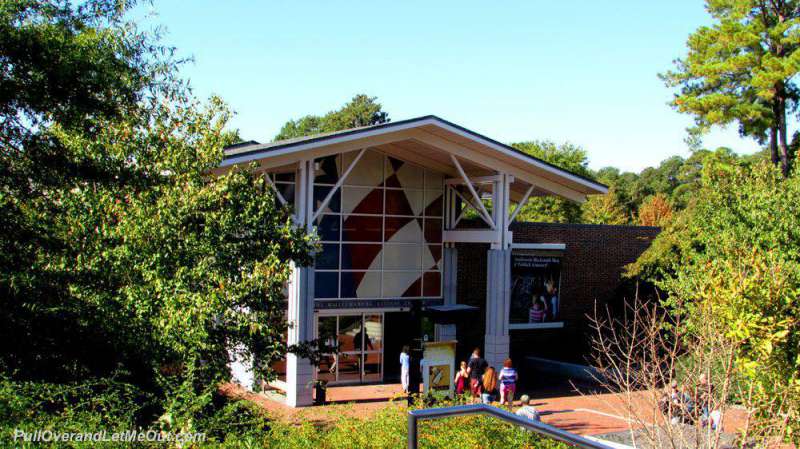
(359, 338)
(381, 232)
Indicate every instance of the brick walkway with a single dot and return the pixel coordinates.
(586, 415)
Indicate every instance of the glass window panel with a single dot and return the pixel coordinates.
(401, 284)
(362, 200)
(320, 192)
(432, 284)
(361, 256)
(327, 368)
(349, 327)
(350, 281)
(326, 284)
(403, 202)
(349, 367)
(284, 177)
(432, 257)
(434, 180)
(403, 230)
(360, 339)
(287, 192)
(368, 171)
(433, 203)
(326, 330)
(327, 170)
(328, 227)
(372, 367)
(362, 228)
(361, 284)
(433, 230)
(328, 258)
(279, 367)
(373, 328)
(402, 257)
(406, 174)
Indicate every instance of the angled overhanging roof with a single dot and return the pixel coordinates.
(429, 141)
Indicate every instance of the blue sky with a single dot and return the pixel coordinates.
(578, 71)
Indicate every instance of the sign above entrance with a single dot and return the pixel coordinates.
(375, 303)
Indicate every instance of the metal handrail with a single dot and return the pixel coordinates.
(483, 409)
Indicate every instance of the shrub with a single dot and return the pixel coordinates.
(113, 406)
(387, 428)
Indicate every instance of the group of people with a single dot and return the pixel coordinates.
(481, 381)
(683, 404)
(484, 383)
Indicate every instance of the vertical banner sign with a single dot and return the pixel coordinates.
(535, 288)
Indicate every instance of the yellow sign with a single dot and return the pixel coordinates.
(438, 366)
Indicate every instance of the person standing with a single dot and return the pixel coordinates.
(462, 378)
(508, 383)
(489, 394)
(476, 367)
(405, 367)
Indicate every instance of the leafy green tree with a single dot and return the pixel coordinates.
(604, 209)
(621, 185)
(741, 70)
(362, 110)
(68, 70)
(119, 254)
(567, 156)
(733, 259)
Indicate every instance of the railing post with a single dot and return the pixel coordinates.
(412, 431)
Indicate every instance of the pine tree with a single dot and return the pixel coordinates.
(740, 70)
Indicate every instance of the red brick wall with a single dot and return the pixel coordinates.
(591, 269)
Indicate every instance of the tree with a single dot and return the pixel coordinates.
(604, 209)
(120, 256)
(655, 211)
(362, 110)
(567, 156)
(621, 185)
(736, 262)
(741, 70)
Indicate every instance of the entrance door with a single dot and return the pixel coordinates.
(360, 341)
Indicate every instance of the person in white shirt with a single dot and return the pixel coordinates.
(527, 410)
(405, 365)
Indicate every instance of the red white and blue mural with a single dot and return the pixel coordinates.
(381, 233)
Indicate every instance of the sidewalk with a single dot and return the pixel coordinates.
(585, 415)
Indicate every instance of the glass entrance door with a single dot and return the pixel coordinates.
(360, 341)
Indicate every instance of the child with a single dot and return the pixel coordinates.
(536, 314)
(462, 377)
(508, 383)
(405, 365)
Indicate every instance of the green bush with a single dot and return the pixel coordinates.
(79, 407)
(387, 428)
(113, 406)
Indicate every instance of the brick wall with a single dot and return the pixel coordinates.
(591, 269)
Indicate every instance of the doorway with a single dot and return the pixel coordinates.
(360, 341)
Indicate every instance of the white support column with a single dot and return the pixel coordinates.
(446, 332)
(299, 372)
(498, 280)
(498, 294)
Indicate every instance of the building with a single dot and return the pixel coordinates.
(388, 203)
